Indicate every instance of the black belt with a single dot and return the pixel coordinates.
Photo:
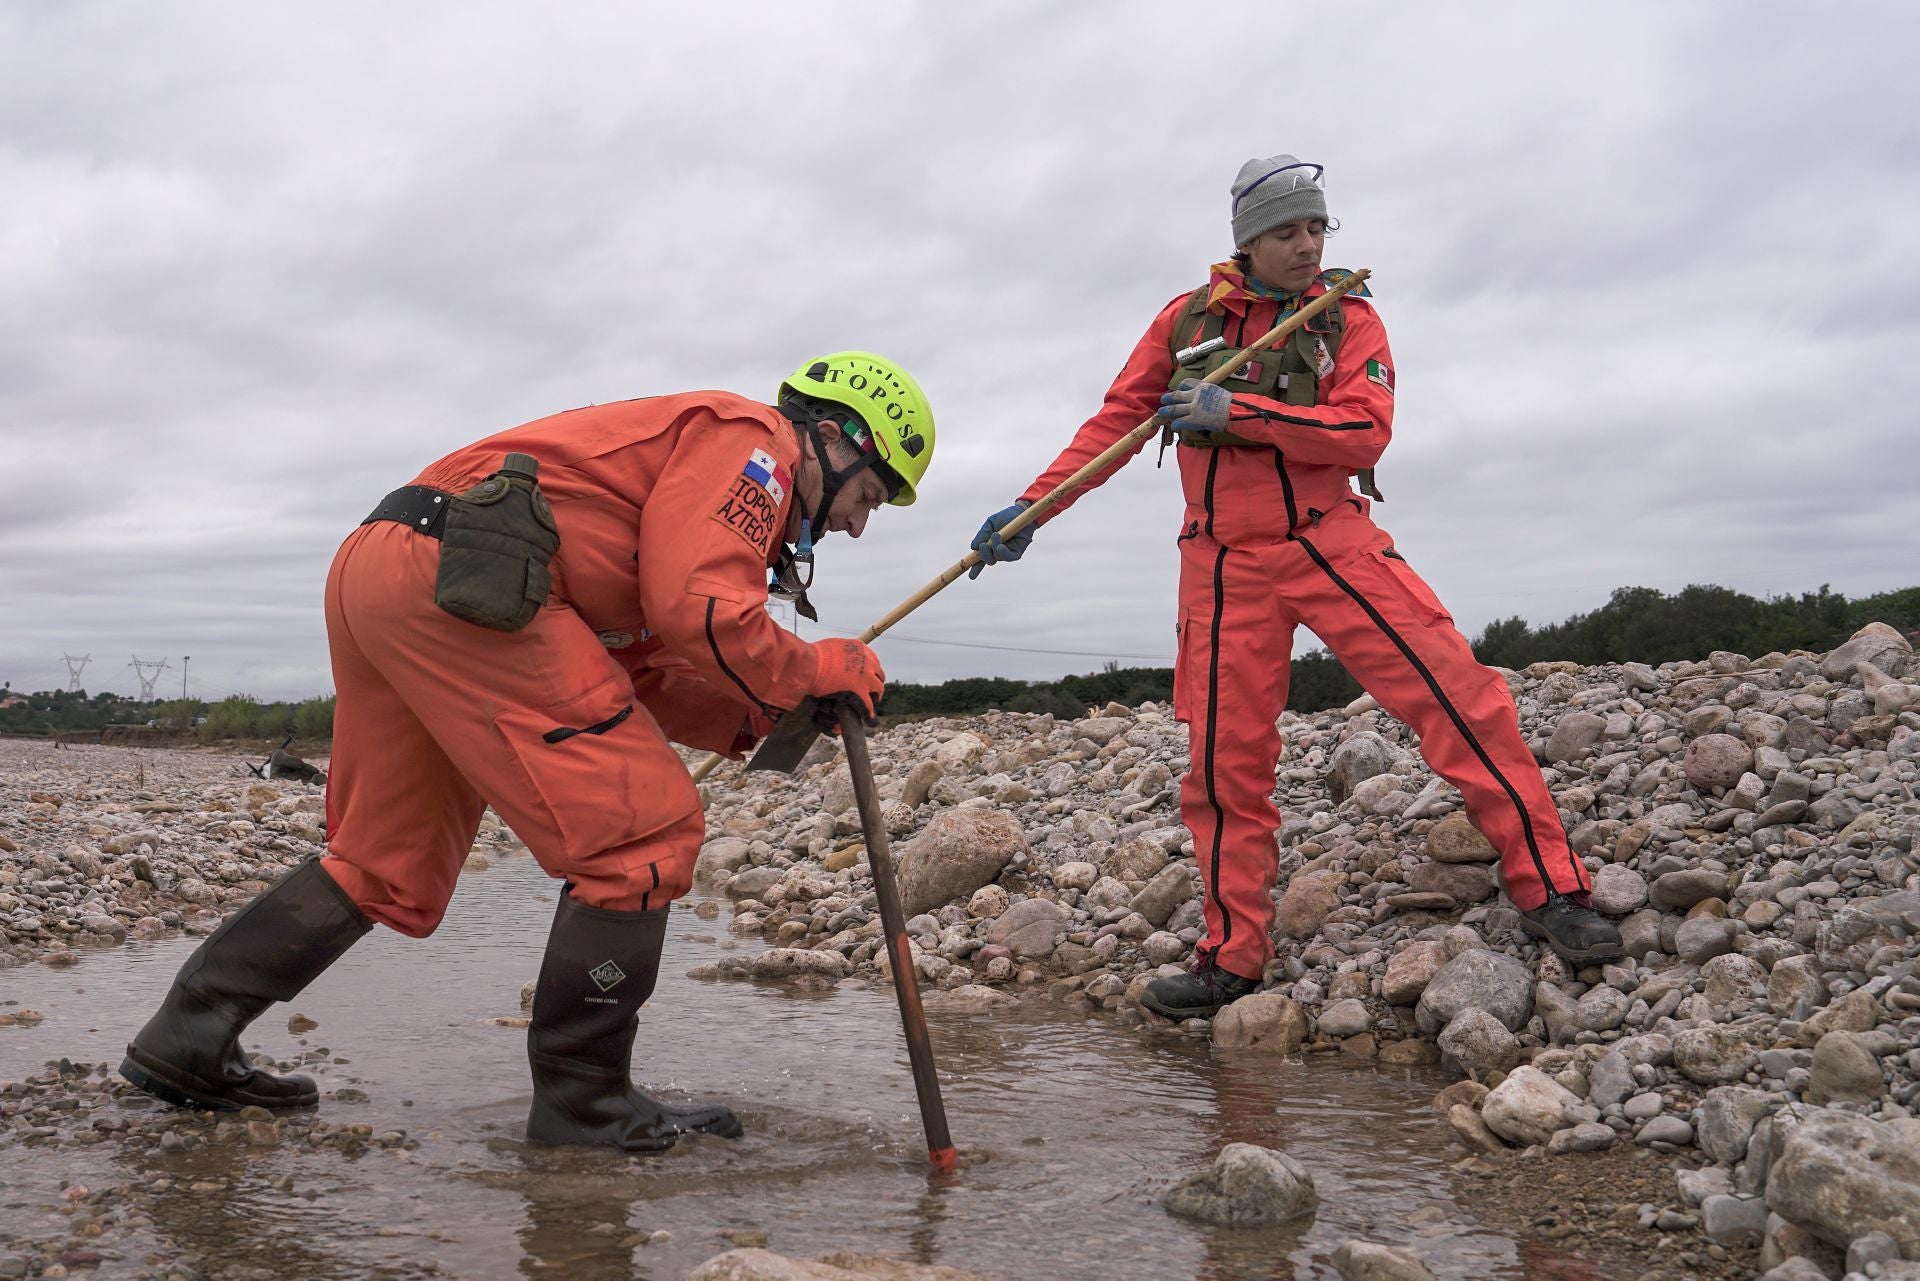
(419, 507)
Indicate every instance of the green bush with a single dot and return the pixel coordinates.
(314, 718)
(1644, 625)
(231, 717)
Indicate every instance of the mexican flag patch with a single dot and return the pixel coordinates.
(1380, 372)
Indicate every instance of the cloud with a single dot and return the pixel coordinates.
(1648, 273)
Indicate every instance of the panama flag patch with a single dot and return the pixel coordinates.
(765, 471)
(1380, 372)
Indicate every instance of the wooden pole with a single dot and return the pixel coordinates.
(913, 1018)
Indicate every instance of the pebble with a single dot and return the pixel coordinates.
(1642, 1107)
(1666, 1129)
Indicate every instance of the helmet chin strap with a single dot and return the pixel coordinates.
(793, 567)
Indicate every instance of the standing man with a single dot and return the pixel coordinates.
(1275, 537)
(616, 561)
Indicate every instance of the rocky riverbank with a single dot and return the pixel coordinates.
(102, 844)
(1750, 822)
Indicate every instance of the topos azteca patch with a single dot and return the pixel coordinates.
(751, 505)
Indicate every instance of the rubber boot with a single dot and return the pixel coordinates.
(1197, 994)
(189, 1052)
(599, 969)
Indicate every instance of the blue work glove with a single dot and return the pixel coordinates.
(992, 548)
(1196, 406)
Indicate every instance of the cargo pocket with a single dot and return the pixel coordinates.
(593, 783)
(1408, 588)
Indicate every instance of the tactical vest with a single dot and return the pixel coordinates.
(1289, 374)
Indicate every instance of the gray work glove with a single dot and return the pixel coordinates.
(1197, 406)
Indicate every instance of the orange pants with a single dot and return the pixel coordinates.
(1341, 578)
(438, 718)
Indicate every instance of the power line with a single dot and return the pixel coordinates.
(1014, 649)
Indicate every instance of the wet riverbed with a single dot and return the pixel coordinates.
(1081, 1125)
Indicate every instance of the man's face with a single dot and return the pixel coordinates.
(857, 498)
(1288, 256)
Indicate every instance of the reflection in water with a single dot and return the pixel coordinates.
(216, 1207)
(1250, 1093)
(930, 1213)
(1074, 1127)
(577, 1227)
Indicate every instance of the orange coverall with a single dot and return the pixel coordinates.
(1274, 538)
(669, 514)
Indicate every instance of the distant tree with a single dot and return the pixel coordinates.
(1505, 643)
(1899, 609)
(1318, 682)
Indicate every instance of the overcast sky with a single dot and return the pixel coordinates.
(1651, 273)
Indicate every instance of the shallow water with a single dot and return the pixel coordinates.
(1082, 1125)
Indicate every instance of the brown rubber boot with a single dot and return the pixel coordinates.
(189, 1052)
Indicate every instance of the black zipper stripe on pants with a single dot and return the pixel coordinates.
(1453, 714)
(713, 643)
(1213, 713)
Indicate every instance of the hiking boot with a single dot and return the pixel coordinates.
(599, 969)
(189, 1052)
(1573, 929)
(1197, 994)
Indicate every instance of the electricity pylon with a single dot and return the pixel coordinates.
(149, 674)
(74, 667)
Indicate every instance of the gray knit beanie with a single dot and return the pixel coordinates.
(1270, 192)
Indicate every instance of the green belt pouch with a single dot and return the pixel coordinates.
(498, 542)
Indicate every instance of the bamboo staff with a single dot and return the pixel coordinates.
(1119, 449)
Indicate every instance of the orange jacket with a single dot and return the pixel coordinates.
(1254, 494)
(669, 510)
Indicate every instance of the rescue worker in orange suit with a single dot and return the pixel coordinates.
(671, 513)
(1274, 537)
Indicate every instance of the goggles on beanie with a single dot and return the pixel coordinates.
(1297, 180)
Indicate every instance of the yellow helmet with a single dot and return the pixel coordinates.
(889, 406)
